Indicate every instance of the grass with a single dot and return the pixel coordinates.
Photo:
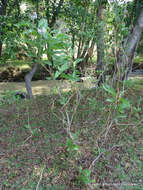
(67, 141)
(138, 59)
(45, 87)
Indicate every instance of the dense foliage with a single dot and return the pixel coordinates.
(101, 25)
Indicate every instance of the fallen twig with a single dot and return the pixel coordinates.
(37, 187)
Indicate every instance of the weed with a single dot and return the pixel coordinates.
(84, 176)
(9, 97)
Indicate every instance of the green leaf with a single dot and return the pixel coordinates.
(69, 143)
(85, 176)
(71, 77)
(27, 126)
(109, 89)
(125, 103)
(34, 132)
(102, 150)
(76, 62)
(43, 23)
(111, 100)
(61, 70)
(75, 147)
(47, 62)
(57, 74)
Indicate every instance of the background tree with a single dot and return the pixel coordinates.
(125, 36)
(100, 40)
(108, 26)
(130, 43)
(9, 16)
(3, 6)
(80, 19)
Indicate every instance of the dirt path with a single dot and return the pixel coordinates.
(44, 87)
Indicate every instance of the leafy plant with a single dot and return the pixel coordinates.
(34, 132)
(71, 146)
(63, 100)
(116, 99)
(40, 41)
(8, 97)
(84, 176)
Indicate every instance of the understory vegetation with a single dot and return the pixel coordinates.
(16, 70)
(71, 94)
(82, 139)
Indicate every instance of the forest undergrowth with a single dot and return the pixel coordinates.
(89, 139)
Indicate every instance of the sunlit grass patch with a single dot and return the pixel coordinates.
(138, 59)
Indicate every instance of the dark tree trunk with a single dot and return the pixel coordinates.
(18, 9)
(37, 11)
(125, 61)
(3, 6)
(0, 49)
(28, 79)
(73, 44)
(100, 44)
(47, 10)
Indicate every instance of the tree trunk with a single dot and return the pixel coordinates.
(79, 49)
(73, 45)
(83, 55)
(130, 46)
(28, 79)
(47, 10)
(0, 49)
(88, 53)
(100, 44)
(37, 10)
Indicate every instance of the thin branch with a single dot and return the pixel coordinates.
(37, 187)
(108, 129)
(26, 140)
(102, 153)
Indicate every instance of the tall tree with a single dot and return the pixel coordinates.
(3, 6)
(29, 76)
(130, 46)
(81, 21)
(126, 52)
(9, 15)
(126, 34)
(100, 41)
